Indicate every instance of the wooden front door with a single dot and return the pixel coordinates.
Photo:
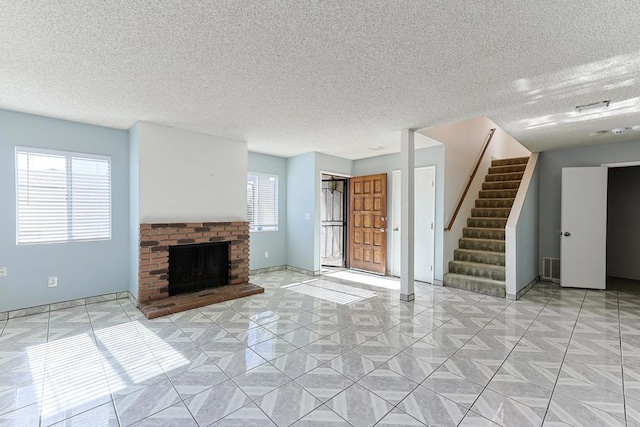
(368, 223)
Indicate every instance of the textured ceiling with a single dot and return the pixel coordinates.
(330, 76)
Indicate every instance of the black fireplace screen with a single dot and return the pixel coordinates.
(197, 267)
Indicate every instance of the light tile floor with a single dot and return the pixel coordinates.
(329, 352)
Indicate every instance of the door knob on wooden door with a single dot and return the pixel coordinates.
(566, 234)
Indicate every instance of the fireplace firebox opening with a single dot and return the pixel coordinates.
(197, 267)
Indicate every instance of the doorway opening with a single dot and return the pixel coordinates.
(623, 230)
(333, 221)
(599, 235)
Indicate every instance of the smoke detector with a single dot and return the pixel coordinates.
(616, 131)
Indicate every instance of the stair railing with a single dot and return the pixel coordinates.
(471, 177)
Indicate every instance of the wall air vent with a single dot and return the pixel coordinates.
(551, 269)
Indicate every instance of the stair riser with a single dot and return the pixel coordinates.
(504, 177)
(483, 234)
(507, 162)
(491, 212)
(474, 286)
(487, 222)
(482, 245)
(494, 203)
(498, 194)
(492, 258)
(487, 273)
(501, 185)
(507, 169)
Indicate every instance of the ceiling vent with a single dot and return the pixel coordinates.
(592, 108)
(598, 133)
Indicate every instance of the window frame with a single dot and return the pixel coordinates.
(69, 155)
(269, 228)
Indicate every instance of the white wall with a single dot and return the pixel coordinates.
(522, 232)
(433, 156)
(190, 176)
(134, 209)
(182, 176)
(463, 143)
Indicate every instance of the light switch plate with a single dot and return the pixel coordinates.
(3, 271)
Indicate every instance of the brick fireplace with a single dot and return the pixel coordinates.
(153, 276)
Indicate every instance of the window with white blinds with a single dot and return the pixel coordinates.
(262, 202)
(62, 196)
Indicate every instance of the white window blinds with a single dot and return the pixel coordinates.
(62, 196)
(262, 202)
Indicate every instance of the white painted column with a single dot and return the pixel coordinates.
(407, 203)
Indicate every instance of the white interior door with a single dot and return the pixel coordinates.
(583, 257)
(424, 223)
(395, 223)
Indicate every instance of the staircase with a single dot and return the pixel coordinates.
(478, 264)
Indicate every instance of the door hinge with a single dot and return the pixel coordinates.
(432, 226)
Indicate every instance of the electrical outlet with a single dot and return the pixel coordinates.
(3, 271)
(266, 254)
(53, 281)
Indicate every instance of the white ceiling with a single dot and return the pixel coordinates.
(336, 76)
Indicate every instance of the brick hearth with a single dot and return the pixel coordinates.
(178, 303)
(153, 277)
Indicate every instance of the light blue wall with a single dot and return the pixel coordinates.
(275, 242)
(304, 178)
(527, 232)
(300, 202)
(433, 156)
(83, 268)
(551, 166)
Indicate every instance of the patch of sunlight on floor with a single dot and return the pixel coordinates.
(73, 371)
(365, 279)
(325, 294)
(338, 287)
(331, 291)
